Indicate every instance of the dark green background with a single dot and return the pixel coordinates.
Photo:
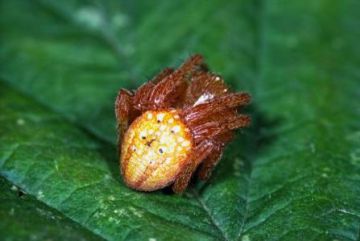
(293, 175)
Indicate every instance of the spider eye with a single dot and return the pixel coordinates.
(161, 150)
(143, 137)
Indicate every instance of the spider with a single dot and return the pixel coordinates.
(175, 124)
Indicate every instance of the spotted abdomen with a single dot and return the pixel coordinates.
(155, 149)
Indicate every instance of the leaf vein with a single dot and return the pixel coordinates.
(208, 212)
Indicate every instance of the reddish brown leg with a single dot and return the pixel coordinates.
(216, 105)
(209, 163)
(164, 73)
(123, 112)
(205, 86)
(211, 129)
(173, 87)
(202, 151)
(142, 95)
(192, 64)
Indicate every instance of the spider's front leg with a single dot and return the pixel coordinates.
(141, 98)
(123, 112)
(201, 152)
(171, 89)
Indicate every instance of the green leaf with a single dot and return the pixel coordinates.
(294, 175)
(17, 208)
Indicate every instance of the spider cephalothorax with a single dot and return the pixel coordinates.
(174, 124)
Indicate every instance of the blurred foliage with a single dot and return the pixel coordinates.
(294, 175)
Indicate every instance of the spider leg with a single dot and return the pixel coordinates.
(173, 87)
(215, 106)
(211, 129)
(202, 151)
(214, 157)
(123, 112)
(192, 64)
(164, 73)
(210, 162)
(142, 95)
(203, 87)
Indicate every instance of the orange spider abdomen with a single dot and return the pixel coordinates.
(155, 149)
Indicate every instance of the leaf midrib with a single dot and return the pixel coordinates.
(212, 218)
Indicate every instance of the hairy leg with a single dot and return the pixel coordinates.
(164, 73)
(215, 106)
(123, 112)
(173, 87)
(193, 64)
(211, 129)
(142, 96)
(204, 87)
(210, 162)
(214, 157)
(201, 152)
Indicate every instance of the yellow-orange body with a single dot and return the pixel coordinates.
(155, 150)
